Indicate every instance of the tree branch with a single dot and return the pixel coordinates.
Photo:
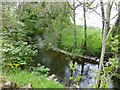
(115, 16)
(69, 4)
(113, 26)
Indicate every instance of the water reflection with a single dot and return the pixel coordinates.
(59, 65)
(86, 70)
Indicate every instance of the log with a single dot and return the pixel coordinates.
(73, 56)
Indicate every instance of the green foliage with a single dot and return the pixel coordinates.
(22, 77)
(72, 66)
(111, 70)
(114, 64)
(93, 41)
(114, 44)
(46, 19)
(40, 70)
(75, 80)
(78, 78)
(59, 21)
(15, 47)
(71, 78)
(30, 16)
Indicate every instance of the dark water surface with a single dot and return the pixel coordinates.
(59, 65)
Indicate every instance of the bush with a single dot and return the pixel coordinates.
(15, 48)
(40, 70)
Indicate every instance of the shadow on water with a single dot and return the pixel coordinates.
(58, 64)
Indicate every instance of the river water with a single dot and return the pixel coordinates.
(58, 64)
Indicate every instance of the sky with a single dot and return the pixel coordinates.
(93, 19)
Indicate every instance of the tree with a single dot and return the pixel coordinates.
(75, 33)
(106, 33)
(74, 7)
(0, 35)
(103, 15)
(15, 48)
(61, 13)
(47, 20)
(85, 26)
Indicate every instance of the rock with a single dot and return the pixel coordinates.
(76, 86)
(2, 79)
(11, 85)
(1, 86)
(27, 87)
(55, 79)
(107, 64)
(98, 60)
(52, 77)
(8, 85)
(73, 87)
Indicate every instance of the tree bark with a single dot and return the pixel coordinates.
(103, 15)
(75, 33)
(106, 29)
(119, 30)
(0, 36)
(107, 21)
(85, 27)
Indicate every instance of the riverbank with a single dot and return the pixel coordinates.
(25, 78)
(66, 42)
(72, 55)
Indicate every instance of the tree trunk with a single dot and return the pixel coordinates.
(119, 30)
(85, 27)
(119, 40)
(116, 29)
(75, 33)
(103, 15)
(0, 36)
(108, 13)
(106, 29)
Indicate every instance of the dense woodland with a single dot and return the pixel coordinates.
(29, 26)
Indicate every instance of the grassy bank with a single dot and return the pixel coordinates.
(23, 77)
(93, 40)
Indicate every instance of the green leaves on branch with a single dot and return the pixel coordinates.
(15, 46)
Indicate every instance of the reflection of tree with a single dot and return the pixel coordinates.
(82, 69)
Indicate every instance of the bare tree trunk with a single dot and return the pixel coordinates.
(119, 29)
(75, 33)
(108, 13)
(106, 29)
(85, 27)
(0, 36)
(103, 15)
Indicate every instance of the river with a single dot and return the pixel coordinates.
(58, 64)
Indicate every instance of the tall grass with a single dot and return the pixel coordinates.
(93, 40)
